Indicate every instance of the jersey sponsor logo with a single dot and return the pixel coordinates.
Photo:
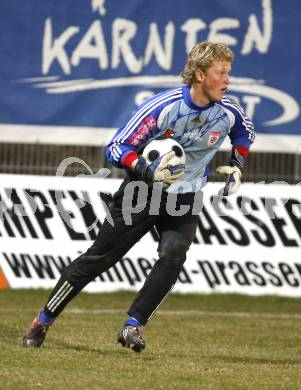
(213, 137)
(143, 130)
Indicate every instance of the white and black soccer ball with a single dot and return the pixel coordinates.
(159, 147)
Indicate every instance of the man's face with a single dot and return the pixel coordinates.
(215, 81)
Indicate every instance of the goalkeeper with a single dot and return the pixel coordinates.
(199, 116)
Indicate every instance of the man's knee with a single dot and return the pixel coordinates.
(173, 250)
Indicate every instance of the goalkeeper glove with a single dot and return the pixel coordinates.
(233, 179)
(232, 173)
(158, 170)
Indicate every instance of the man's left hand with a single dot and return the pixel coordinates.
(233, 179)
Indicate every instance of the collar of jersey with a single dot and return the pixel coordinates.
(189, 102)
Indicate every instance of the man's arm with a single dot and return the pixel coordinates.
(123, 152)
(242, 135)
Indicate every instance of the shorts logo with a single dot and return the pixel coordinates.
(213, 137)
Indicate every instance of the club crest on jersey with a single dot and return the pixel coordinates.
(213, 137)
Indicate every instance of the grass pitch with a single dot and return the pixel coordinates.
(193, 342)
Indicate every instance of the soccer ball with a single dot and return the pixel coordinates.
(159, 147)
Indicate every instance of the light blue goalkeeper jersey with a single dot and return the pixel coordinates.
(200, 130)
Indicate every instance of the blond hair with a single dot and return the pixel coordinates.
(202, 56)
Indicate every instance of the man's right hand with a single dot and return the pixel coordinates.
(157, 171)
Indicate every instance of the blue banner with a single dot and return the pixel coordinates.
(90, 62)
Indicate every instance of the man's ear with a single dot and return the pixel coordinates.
(199, 75)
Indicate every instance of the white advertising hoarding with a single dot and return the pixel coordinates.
(248, 244)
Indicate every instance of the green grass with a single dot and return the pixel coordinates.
(193, 342)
